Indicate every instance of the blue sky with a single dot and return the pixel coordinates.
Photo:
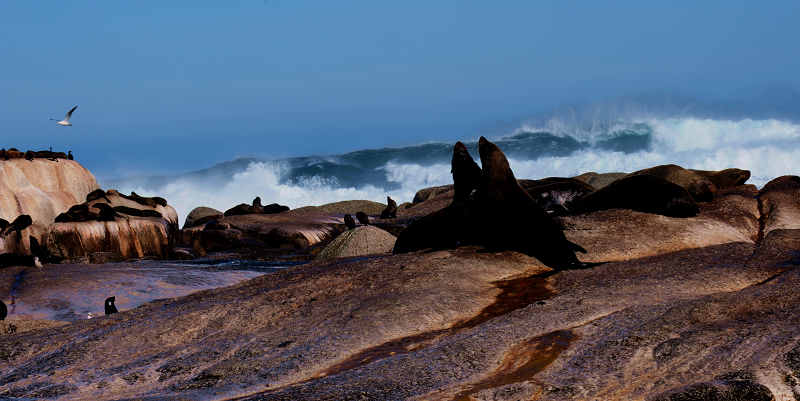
(175, 87)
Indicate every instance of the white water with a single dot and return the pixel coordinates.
(768, 148)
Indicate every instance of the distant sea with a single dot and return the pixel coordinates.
(768, 147)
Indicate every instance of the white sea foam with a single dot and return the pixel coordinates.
(769, 148)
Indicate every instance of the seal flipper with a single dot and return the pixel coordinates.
(575, 247)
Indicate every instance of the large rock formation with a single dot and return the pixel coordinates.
(363, 240)
(42, 189)
(115, 225)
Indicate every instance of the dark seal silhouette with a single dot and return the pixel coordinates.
(3, 310)
(511, 220)
(22, 222)
(643, 193)
(391, 209)
(69, 155)
(97, 194)
(362, 218)
(131, 211)
(77, 213)
(466, 173)
(349, 222)
(274, 208)
(493, 211)
(107, 213)
(110, 307)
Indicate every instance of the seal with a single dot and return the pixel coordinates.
(110, 307)
(362, 218)
(466, 173)
(3, 310)
(643, 193)
(97, 194)
(511, 219)
(493, 211)
(701, 188)
(725, 179)
(22, 222)
(107, 213)
(274, 208)
(553, 194)
(391, 209)
(349, 222)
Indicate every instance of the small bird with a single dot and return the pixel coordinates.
(65, 122)
(110, 307)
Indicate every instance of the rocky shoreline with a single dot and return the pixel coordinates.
(662, 284)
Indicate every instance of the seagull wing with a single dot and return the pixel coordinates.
(69, 113)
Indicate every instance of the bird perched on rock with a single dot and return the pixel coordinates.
(349, 222)
(110, 307)
(362, 218)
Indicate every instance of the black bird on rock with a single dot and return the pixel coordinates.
(110, 307)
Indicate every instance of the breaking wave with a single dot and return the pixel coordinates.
(767, 147)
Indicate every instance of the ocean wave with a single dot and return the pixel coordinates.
(768, 148)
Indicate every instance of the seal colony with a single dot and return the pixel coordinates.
(485, 294)
(491, 209)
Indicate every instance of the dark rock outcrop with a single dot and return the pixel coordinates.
(201, 215)
(734, 386)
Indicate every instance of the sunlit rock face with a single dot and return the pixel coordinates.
(132, 233)
(40, 188)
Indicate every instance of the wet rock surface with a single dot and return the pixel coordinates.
(677, 308)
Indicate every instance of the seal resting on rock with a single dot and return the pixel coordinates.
(349, 222)
(391, 209)
(643, 193)
(110, 307)
(97, 194)
(77, 213)
(724, 179)
(554, 194)
(107, 213)
(22, 222)
(3, 310)
(701, 188)
(362, 218)
(274, 208)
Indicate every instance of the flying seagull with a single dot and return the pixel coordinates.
(65, 122)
